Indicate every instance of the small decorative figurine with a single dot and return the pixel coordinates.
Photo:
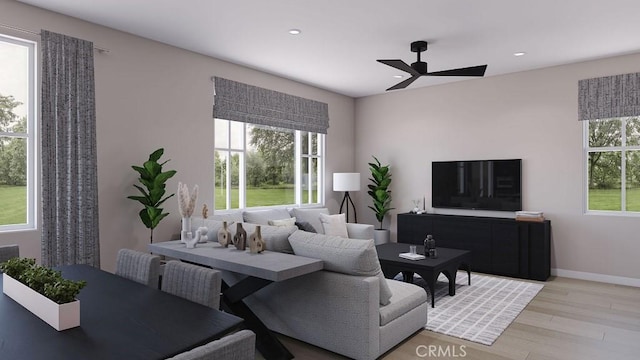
(224, 235)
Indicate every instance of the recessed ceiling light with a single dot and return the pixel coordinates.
(398, 76)
(521, 53)
(295, 32)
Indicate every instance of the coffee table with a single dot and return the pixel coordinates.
(448, 262)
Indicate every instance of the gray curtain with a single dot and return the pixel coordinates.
(241, 102)
(69, 171)
(609, 97)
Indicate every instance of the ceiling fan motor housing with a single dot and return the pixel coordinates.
(420, 67)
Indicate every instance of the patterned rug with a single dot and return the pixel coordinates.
(480, 312)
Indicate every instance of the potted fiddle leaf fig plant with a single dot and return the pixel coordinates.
(154, 179)
(381, 196)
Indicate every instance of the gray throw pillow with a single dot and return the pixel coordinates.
(262, 217)
(305, 226)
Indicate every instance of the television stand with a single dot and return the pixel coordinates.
(498, 246)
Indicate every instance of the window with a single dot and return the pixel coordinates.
(17, 133)
(612, 155)
(258, 165)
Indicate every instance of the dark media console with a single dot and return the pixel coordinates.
(498, 246)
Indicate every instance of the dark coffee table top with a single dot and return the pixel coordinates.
(389, 253)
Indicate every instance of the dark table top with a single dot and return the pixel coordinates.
(390, 251)
(119, 319)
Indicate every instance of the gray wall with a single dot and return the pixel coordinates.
(150, 95)
(528, 115)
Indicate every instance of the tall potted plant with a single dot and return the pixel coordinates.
(153, 194)
(381, 195)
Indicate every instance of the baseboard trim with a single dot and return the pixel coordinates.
(618, 280)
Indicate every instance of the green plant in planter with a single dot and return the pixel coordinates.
(45, 281)
(154, 181)
(379, 189)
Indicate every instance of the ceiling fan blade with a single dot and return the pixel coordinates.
(468, 71)
(400, 65)
(404, 84)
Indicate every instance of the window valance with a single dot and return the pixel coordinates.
(609, 97)
(242, 102)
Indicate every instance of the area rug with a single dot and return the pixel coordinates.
(480, 312)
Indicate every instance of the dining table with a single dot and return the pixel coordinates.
(119, 319)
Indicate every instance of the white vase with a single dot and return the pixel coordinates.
(59, 316)
(381, 236)
(186, 227)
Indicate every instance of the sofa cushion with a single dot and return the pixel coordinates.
(283, 222)
(405, 298)
(334, 225)
(275, 237)
(262, 217)
(230, 217)
(312, 216)
(343, 255)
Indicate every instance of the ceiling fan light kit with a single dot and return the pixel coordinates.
(419, 68)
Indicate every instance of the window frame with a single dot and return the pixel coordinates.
(623, 148)
(298, 156)
(31, 136)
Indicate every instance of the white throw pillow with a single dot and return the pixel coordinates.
(334, 225)
(347, 256)
(283, 222)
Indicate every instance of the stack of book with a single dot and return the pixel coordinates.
(535, 216)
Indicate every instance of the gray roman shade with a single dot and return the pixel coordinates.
(251, 104)
(609, 97)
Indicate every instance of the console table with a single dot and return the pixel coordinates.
(498, 245)
(261, 270)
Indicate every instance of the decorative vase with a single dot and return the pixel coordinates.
(190, 240)
(59, 316)
(256, 243)
(224, 235)
(240, 238)
(202, 231)
(186, 227)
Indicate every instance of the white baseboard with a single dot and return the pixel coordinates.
(619, 280)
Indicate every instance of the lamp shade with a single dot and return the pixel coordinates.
(346, 181)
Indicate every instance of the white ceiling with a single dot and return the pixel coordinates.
(341, 39)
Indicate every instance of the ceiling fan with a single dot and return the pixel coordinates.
(419, 68)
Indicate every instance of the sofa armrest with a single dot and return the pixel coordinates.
(331, 310)
(360, 231)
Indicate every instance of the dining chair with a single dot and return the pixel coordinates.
(8, 252)
(237, 346)
(138, 266)
(192, 282)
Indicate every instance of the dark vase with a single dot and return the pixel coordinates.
(240, 238)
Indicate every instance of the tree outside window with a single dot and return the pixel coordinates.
(613, 164)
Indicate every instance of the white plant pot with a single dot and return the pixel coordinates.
(381, 236)
(59, 316)
(186, 227)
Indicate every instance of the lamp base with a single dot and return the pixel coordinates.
(345, 201)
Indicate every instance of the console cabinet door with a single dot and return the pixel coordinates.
(466, 234)
(413, 228)
(506, 250)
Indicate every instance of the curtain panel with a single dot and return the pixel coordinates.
(69, 162)
(609, 97)
(251, 104)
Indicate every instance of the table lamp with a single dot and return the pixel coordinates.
(347, 182)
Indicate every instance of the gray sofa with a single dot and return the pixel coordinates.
(348, 308)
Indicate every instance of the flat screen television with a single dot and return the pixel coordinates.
(477, 184)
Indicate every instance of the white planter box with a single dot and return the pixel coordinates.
(59, 316)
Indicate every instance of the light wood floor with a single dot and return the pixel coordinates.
(568, 319)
